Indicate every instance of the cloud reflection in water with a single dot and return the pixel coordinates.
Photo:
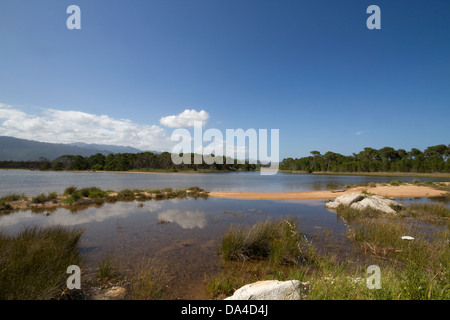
(187, 219)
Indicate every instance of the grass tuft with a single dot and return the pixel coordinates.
(33, 264)
(277, 240)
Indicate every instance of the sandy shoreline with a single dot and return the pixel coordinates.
(402, 191)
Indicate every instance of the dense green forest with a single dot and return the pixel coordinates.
(432, 159)
(124, 162)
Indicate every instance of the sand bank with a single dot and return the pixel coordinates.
(402, 191)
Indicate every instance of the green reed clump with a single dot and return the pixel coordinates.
(90, 192)
(181, 193)
(125, 194)
(107, 269)
(33, 264)
(11, 197)
(350, 214)
(43, 198)
(5, 202)
(196, 192)
(70, 190)
(277, 240)
(427, 209)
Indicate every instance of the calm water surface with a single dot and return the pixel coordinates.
(187, 243)
(35, 182)
(188, 240)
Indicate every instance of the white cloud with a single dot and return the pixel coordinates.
(185, 119)
(59, 126)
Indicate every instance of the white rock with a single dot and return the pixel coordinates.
(270, 290)
(345, 200)
(376, 204)
(388, 202)
(332, 205)
(349, 198)
(359, 202)
(114, 293)
(357, 206)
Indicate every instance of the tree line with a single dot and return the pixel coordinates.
(387, 159)
(125, 162)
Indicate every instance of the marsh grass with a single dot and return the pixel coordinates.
(232, 277)
(426, 211)
(43, 198)
(12, 197)
(96, 196)
(33, 264)
(125, 195)
(279, 241)
(417, 269)
(410, 270)
(405, 283)
(433, 212)
(384, 239)
(148, 282)
(350, 214)
(5, 204)
(70, 190)
(108, 269)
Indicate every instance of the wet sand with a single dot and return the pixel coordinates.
(402, 191)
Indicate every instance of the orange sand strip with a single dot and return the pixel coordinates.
(402, 191)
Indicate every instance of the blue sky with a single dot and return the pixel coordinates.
(311, 69)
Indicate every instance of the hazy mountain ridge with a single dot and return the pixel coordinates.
(108, 148)
(16, 149)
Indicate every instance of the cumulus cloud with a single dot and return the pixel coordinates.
(185, 119)
(60, 126)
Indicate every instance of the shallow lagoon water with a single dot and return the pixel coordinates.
(35, 182)
(184, 233)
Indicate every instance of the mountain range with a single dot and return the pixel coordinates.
(15, 149)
